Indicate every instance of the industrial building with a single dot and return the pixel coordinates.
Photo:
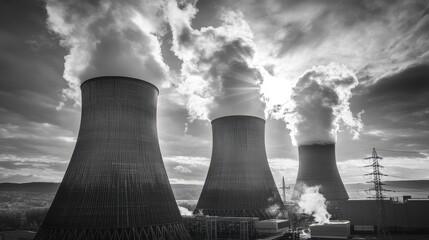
(333, 230)
(239, 182)
(115, 186)
(208, 227)
(410, 215)
(243, 228)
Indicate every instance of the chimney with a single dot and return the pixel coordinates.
(115, 186)
(239, 182)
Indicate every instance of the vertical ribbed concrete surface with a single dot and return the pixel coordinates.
(239, 182)
(317, 166)
(115, 186)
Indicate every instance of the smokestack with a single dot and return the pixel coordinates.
(239, 181)
(115, 186)
(317, 166)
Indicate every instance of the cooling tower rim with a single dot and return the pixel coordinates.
(238, 116)
(120, 77)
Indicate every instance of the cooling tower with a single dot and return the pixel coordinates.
(239, 182)
(115, 186)
(317, 166)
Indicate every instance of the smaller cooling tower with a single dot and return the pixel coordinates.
(239, 181)
(317, 166)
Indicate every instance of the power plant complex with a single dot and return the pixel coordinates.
(239, 182)
(115, 186)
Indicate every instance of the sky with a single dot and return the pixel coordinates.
(351, 72)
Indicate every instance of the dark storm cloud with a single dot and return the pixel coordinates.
(373, 38)
(32, 131)
(403, 94)
(397, 110)
(384, 42)
(412, 82)
(328, 14)
(30, 72)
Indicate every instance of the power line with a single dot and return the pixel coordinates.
(398, 151)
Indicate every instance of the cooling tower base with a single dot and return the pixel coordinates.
(159, 232)
(257, 213)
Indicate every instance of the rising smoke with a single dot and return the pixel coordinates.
(220, 75)
(184, 211)
(313, 203)
(276, 211)
(319, 103)
(108, 38)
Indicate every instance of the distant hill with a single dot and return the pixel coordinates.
(181, 191)
(416, 184)
(186, 191)
(415, 188)
(44, 187)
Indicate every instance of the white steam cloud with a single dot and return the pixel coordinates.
(108, 38)
(319, 104)
(184, 211)
(276, 211)
(220, 75)
(313, 203)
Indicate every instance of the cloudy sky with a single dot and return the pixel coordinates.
(356, 72)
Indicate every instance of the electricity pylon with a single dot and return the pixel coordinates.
(383, 232)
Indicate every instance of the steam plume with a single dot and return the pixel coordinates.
(275, 210)
(108, 38)
(220, 75)
(184, 211)
(313, 203)
(320, 103)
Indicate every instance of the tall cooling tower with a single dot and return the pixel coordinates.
(239, 181)
(115, 186)
(317, 166)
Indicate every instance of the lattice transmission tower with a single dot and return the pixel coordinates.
(383, 232)
(283, 188)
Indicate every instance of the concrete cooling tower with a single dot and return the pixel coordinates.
(317, 166)
(239, 181)
(115, 186)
